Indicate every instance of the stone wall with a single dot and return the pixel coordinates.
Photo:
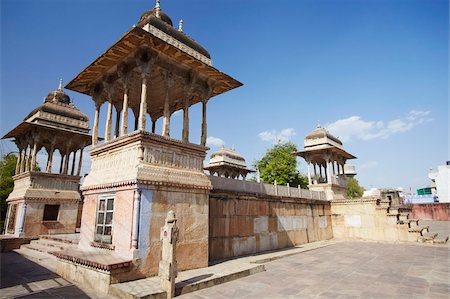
(65, 224)
(364, 219)
(190, 207)
(431, 211)
(244, 223)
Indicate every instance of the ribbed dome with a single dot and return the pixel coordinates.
(162, 15)
(164, 23)
(320, 132)
(58, 102)
(228, 153)
(58, 96)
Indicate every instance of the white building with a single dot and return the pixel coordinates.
(441, 179)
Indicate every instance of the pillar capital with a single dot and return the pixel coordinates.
(124, 71)
(145, 59)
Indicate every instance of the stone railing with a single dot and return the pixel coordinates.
(225, 184)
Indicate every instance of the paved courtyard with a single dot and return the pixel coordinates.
(345, 270)
(342, 270)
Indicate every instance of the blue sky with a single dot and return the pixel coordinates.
(374, 72)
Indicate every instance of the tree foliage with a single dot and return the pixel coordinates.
(354, 190)
(7, 169)
(280, 165)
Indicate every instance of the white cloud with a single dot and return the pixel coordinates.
(212, 141)
(275, 136)
(354, 127)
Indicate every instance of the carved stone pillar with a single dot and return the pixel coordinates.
(22, 220)
(116, 129)
(62, 161)
(188, 94)
(22, 159)
(28, 160)
(124, 72)
(136, 208)
(143, 106)
(19, 158)
(66, 161)
(33, 158)
(186, 121)
(145, 62)
(203, 137)
(108, 121)
(95, 127)
(72, 172)
(309, 172)
(168, 76)
(80, 161)
(50, 158)
(207, 94)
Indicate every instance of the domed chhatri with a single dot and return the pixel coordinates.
(326, 154)
(62, 130)
(227, 163)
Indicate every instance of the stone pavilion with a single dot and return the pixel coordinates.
(325, 154)
(137, 174)
(46, 201)
(228, 163)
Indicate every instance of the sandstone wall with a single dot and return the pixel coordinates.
(363, 219)
(431, 211)
(35, 226)
(242, 224)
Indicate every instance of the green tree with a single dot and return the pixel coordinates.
(7, 169)
(354, 190)
(280, 165)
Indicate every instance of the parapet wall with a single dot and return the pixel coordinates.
(243, 223)
(431, 211)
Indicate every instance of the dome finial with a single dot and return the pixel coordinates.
(60, 84)
(158, 8)
(180, 26)
(318, 124)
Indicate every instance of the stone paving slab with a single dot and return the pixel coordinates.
(221, 272)
(24, 278)
(347, 269)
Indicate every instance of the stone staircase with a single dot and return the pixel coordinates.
(40, 250)
(412, 230)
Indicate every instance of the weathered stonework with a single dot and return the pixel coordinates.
(242, 224)
(36, 189)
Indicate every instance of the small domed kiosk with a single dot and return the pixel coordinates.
(46, 200)
(326, 154)
(228, 163)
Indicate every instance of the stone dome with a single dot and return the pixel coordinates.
(320, 132)
(58, 102)
(226, 155)
(162, 15)
(164, 23)
(58, 96)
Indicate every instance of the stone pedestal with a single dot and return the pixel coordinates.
(33, 191)
(168, 175)
(332, 191)
(168, 264)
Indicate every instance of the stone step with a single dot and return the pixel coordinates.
(44, 259)
(418, 229)
(428, 237)
(68, 238)
(440, 240)
(40, 248)
(54, 244)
